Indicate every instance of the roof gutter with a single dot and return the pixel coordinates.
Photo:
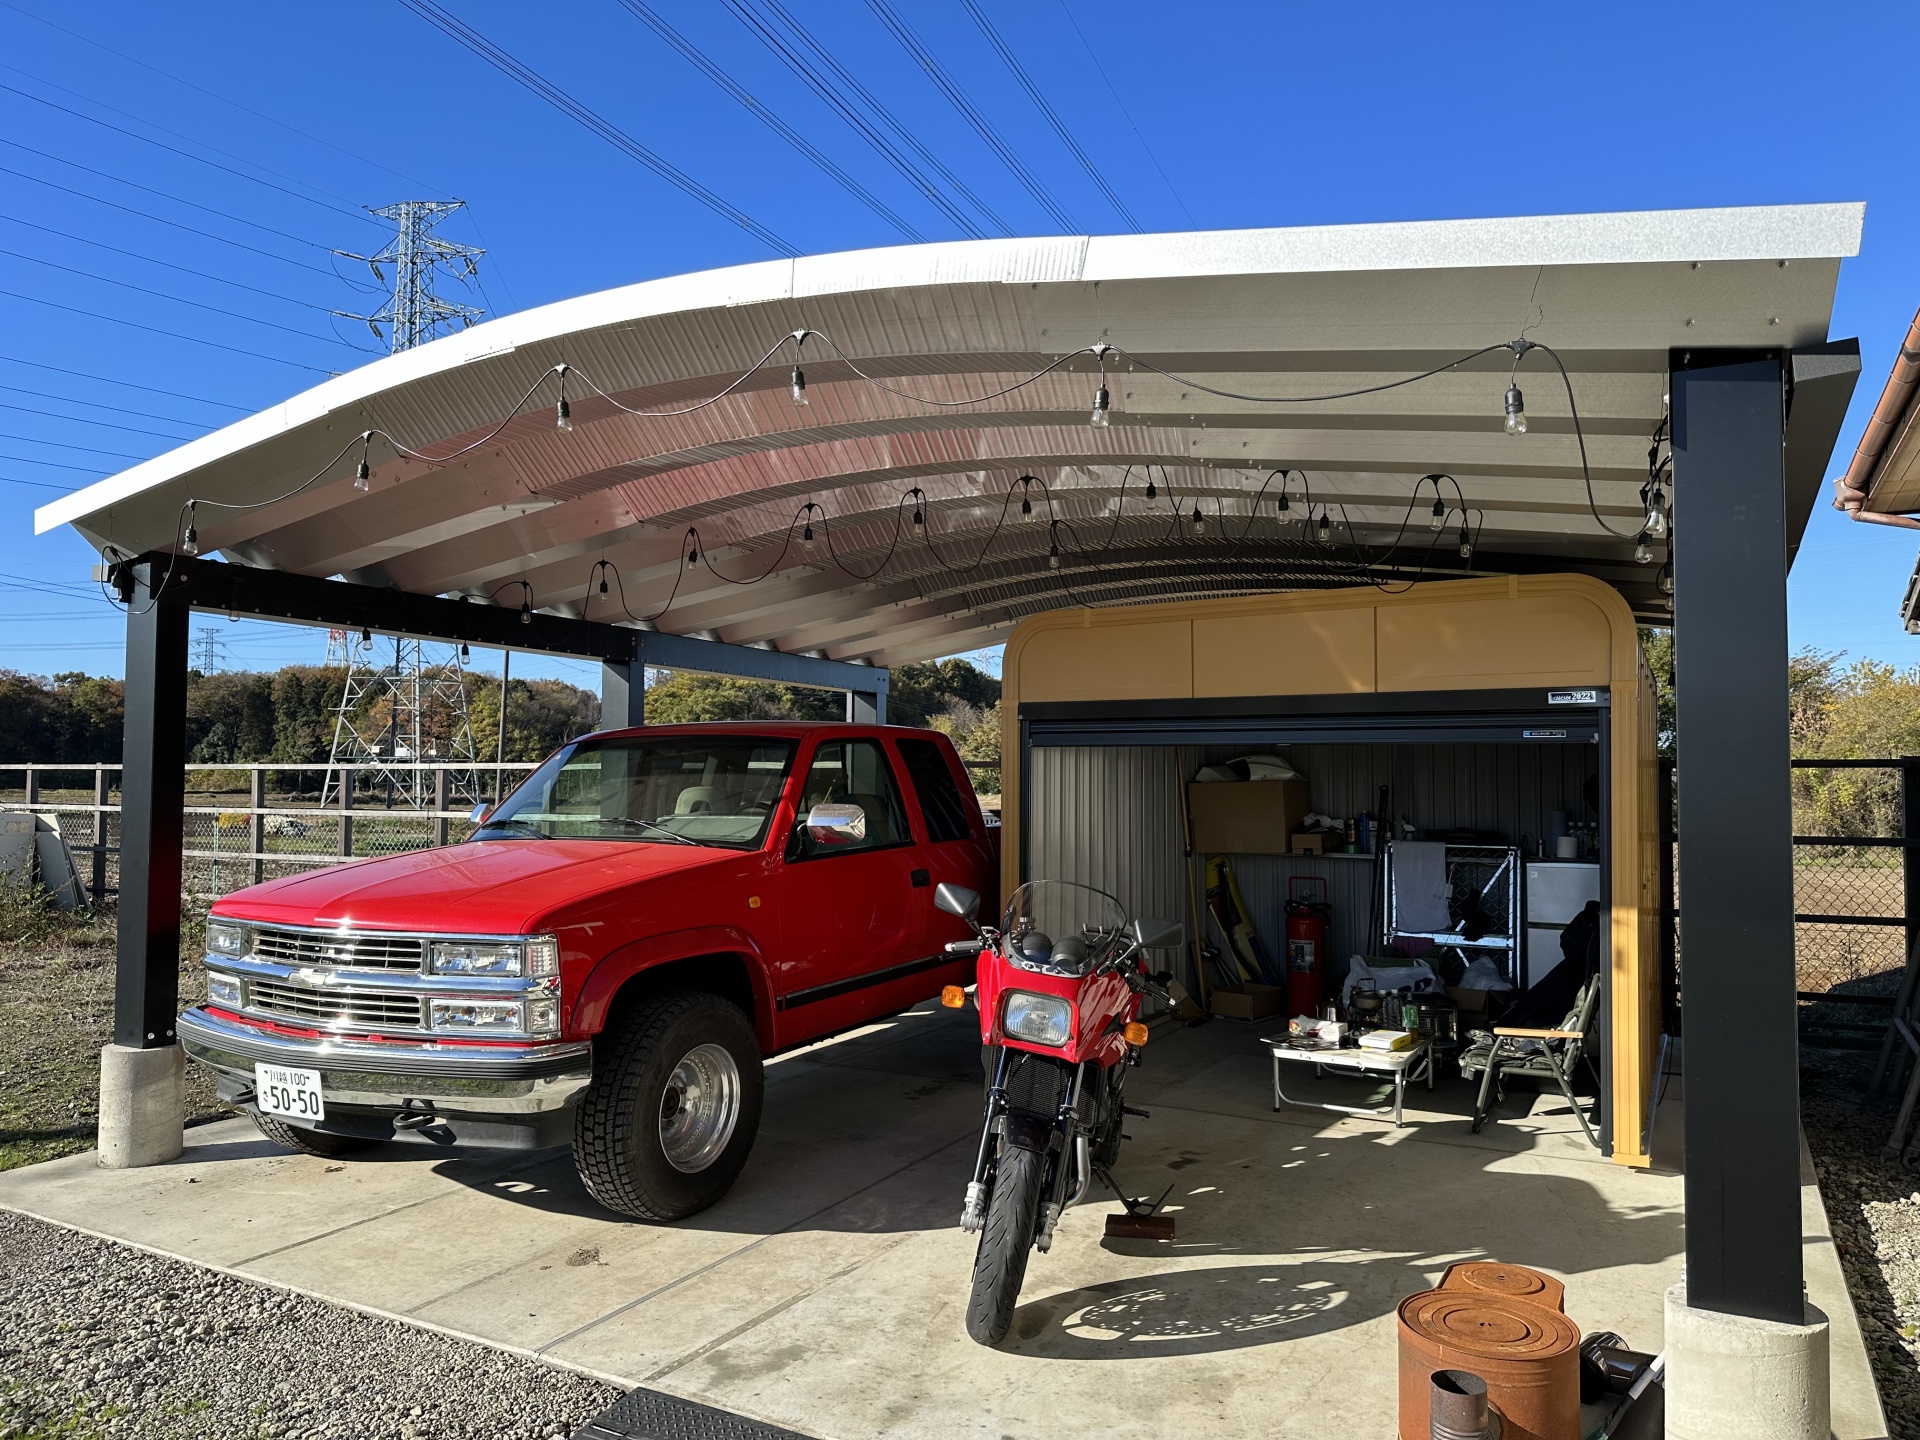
(1851, 490)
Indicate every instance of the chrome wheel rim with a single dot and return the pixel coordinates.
(699, 1108)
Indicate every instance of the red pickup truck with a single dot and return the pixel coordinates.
(609, 956)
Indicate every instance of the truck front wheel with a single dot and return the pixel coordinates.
(666, 1126)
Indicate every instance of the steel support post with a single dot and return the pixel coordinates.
(1736, 860)
(1909, 857)
(867, 707)
(153, 792)
(100, 794)
(623, 694)
(257, 823)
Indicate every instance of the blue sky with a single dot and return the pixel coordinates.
(249, 159)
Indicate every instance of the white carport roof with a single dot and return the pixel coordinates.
(1270, 313)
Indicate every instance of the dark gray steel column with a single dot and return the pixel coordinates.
(867, 707)
(152, 793)
(623, 694)
(1736, 861)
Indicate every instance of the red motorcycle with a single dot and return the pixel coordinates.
(1060, 986)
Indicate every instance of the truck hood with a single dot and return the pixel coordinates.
(488, 887)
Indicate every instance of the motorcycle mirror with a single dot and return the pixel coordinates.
(957, 900)
(1158, 934)
(477, 814)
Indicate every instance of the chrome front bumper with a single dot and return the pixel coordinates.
(502, 1083)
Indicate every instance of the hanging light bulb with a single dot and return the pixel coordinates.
(1199, 522)
(362, 475)
(563, 416)
(1326, 526)
(526, 607)
(800, 387)
(1438, 519)
(1100, 402)
(1516, 412)
(1286, 505)
(1642, 551)
(1664, 580)
(806, 534)
(1053, 548)
(1152, 489)
(1026, 507)
(919, 498)
(1657, 512)
(465, 654)
(1466, 542)
(603, 578)
(366, 635)
(693, 553)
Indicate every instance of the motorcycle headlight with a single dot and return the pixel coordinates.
(475, 957)
(1037, 1019)
(226, 938)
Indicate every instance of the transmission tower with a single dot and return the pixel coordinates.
(398, 716)
(416, 314)
(209, 654)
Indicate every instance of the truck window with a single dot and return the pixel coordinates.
(939, 797)
(853, 772)
(679, 790)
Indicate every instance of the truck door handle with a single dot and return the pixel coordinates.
(921, 879)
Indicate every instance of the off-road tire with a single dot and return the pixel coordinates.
(616, 1131)
(1006, 1239)
(309, 1142)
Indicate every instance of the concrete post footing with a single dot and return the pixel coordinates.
(1731, 1377)
(143, 1105)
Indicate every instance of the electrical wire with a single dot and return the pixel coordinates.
(1121, 104)
(880, 384)
(698, 58)
(832, 83)
(92, 405)
(957, 97)
(168, 264)
(178, 299)
(82, 420)
(1052, 116)
(1586, 472)
(175, 224)
(107, 380)
(173, 149)
(560, 100)
(156, 330)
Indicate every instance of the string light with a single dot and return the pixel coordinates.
(1101, 400)
(465, 654)
(919, 498)
(1053, 546)
(526, 606)
(800, 387)
(1516, 411)
(366, 636)
(190, 542)
(1152, 490)
(1466, 540)
(1326, 527)
(1438, 520)
(1642, 551)
(1664, 580)
(693, 550)
(1199, 521)
(1286, 505)
(1026, 494)
(1657, 512)
(562, 412)
(363, 473)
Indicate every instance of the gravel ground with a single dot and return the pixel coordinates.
(97, 1339)
(1874, 1208)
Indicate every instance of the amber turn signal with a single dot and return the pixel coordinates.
(1135, 1033)
(953, 997)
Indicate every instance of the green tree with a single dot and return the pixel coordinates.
(917, 693)
(680, 697)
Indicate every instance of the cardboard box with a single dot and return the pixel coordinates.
(1248, 1002)
(1311, 842)
(1248, 817)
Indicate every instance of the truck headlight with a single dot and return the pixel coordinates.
(543, 1017)
(226, 938)
(223, 990)
(475, 957)
(480, 1017)
(543, 955)
(1037, 1019)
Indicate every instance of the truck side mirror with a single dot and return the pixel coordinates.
(477, 814)
(838, 824)
(957, 900)
(1158, 934)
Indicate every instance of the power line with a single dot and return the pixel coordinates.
(176, 299)
(696, 57)
(486, 50)
(171, 149)
(156, 330)
(123, 384)
(1045, 108)
(164, 195)
(167, 264)
(36, 484)
(82, 420)
(162, 220)
(53, 465)
(97, 405)
(214, 95)
(1087, 46)
(833, 95)
(62, 445)
(958, 99)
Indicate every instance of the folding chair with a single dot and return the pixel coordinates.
(1495, 1057)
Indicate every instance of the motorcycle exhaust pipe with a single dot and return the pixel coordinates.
(1083, 1163)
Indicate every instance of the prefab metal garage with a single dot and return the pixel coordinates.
(1488, 703)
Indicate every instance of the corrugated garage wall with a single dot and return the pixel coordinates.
(1113, 818)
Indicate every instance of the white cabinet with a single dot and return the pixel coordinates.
(1557, 890)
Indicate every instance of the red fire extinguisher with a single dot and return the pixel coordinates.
(1307, 920)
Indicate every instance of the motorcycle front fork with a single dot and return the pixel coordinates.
(973, 1212)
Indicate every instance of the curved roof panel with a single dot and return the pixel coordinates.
(923, 375)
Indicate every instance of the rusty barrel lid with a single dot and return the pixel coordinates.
(1516, 1282)
(1528, 1353)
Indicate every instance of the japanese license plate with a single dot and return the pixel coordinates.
(282, 1090)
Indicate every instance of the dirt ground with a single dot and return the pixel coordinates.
(56, 1011)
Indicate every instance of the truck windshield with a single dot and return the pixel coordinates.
(676, 790)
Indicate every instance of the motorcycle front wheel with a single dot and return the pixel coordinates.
(1000, 1264)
